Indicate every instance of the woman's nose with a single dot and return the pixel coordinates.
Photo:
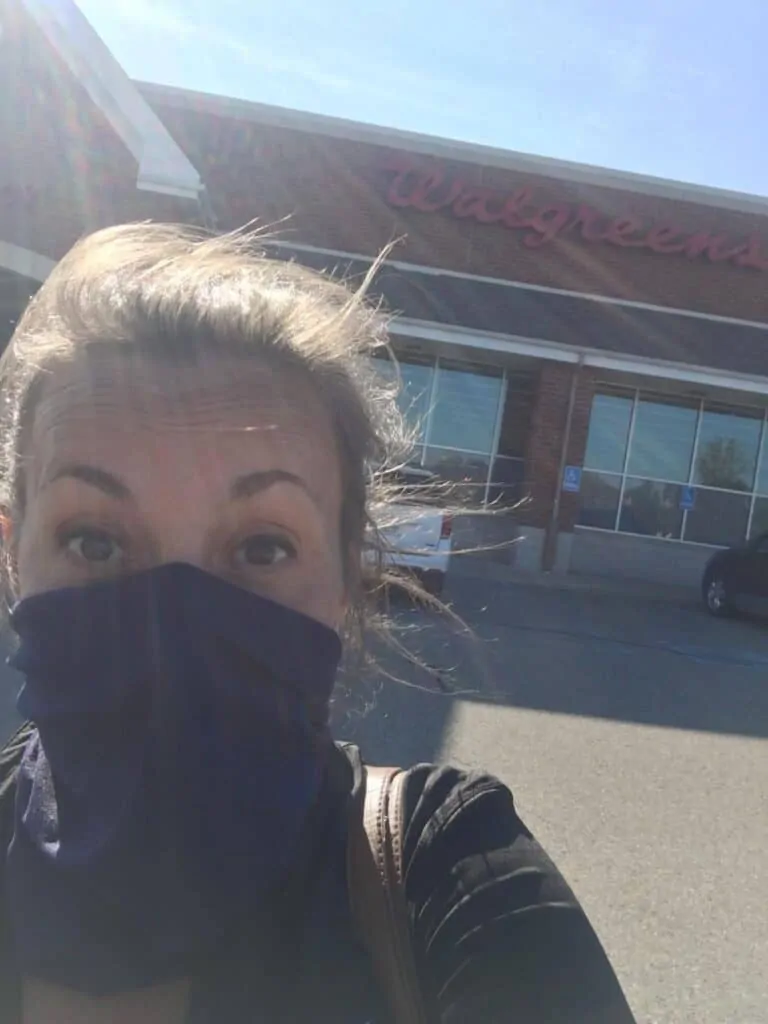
(180, 549)
(177, 539)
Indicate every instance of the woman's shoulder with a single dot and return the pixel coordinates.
(446, 804)
(498, 932)
(460, 822)
(463, 824)
(438, 795)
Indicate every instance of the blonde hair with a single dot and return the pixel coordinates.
(176, 292)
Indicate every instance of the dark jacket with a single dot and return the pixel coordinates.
(498, 935)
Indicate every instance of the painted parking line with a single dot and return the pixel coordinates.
(726, 655)
(694, 652)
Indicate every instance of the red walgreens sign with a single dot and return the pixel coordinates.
(433, 188)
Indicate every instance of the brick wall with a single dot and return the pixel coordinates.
(332, 192)
(545, 443)
(570, 503)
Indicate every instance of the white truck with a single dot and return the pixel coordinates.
(417, 532)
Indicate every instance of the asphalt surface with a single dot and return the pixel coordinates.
(633, 731)
(634, 735)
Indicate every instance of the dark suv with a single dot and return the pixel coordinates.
(737, 579)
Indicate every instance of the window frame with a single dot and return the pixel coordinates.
(648, 398)
(424, 444)
(722, 410)
(607, 391)
(636, 395)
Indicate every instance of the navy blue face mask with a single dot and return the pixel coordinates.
(181, 738)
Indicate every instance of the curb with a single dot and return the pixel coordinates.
(467, 568)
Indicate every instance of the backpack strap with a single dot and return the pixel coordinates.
(376, 891)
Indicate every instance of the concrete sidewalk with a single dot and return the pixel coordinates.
(470, 567)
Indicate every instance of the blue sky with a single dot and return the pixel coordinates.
(676, 88)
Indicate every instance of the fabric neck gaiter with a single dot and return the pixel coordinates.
(180, 745)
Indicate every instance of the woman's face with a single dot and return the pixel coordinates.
(230, 466)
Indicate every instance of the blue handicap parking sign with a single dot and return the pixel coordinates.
(572, 479)
(687, 498)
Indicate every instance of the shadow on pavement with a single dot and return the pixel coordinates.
(652, 662)
(657, 663)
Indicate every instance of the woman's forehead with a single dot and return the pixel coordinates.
(95, 405)
(96, 383)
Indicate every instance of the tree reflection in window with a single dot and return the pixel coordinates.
(722, 462)
(727, 451)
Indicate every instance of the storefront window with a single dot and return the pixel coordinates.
(678, 469)
(454, 410)
(516, 416)
(762, 470)
(759, 523)
(662, 440)
(508, 485)
(718, 517)
(415, 381)
(608, 432)
(651, 508)
(599, 500)
(727, 450)
(468, 472)
(416, 387)
(466, 408)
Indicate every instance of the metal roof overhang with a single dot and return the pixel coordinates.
(163, 165)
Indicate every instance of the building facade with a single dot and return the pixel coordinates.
(589, 343)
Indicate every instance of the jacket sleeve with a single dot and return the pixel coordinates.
(498, 935)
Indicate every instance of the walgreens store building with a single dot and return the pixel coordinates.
(595, 343)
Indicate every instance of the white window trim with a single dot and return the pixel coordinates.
(667, 483)
(606, 300)
(542, 348)
(25, 262)
(554, 351)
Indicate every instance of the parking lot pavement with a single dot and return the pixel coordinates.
(634, 734)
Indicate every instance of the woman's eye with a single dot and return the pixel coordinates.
(93, 546)
(265, 550)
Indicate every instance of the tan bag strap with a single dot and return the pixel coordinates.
(376, 893)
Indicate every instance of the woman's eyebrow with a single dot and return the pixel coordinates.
(101, 479)
(249, 484)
